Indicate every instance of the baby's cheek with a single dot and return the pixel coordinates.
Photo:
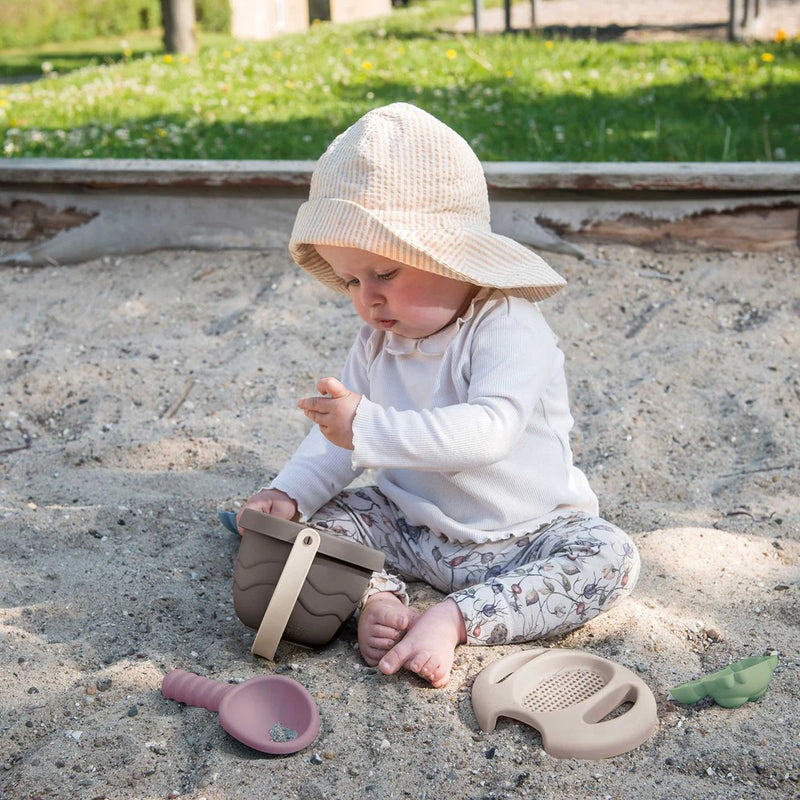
(361, 311)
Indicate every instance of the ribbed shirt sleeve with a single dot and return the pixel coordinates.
(503, 389)
(316, 472)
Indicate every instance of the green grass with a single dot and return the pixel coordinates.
(513, 97)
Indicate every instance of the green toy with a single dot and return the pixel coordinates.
(732, 686)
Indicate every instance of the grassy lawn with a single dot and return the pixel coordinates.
(513, 97)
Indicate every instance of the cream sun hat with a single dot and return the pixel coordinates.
(401, 184)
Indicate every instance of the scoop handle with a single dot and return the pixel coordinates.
(194, 690)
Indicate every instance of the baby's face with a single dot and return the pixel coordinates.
(391, 296)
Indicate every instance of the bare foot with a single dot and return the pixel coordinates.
(382, 623)
(429, 647)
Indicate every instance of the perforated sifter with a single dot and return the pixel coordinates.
(584, 706)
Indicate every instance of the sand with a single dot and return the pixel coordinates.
(142, 393)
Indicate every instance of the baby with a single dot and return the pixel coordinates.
(454, 392)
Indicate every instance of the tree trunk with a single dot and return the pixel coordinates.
(477, 16)
(178, 19)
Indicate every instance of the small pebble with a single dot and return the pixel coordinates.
(316, 758)
(133, 711)
(491, 752)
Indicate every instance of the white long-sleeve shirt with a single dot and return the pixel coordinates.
(468, 429)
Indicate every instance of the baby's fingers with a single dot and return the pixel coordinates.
(315, 416)
(332, 387)
(317, 405)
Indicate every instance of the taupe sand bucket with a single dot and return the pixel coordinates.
(297, 583)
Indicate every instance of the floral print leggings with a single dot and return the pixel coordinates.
(540, 584)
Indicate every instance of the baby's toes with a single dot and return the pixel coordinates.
(441, 677)
(386, 635)
(391, 618)
(395, 658)
(374, 640)
(427, 666)
(371, 655)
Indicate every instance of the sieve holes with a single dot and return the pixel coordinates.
(564, 690)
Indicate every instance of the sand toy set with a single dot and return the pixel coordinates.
(301, 584)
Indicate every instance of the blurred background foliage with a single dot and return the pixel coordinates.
(24, 23)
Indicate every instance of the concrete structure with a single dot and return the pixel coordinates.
(265, 19)
(349, 10)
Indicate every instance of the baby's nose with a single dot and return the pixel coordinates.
(372, 295)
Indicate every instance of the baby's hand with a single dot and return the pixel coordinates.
(333, 413)
(273, 502)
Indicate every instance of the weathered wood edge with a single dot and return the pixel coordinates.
(508, 175)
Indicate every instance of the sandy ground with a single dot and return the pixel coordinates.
(113, 568)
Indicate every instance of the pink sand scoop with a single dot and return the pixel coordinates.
(270, 713)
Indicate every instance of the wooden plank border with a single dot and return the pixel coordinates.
(744, 177)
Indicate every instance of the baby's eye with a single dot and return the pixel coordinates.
(387, 276)
(351, 282)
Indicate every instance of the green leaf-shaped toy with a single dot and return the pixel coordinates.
(732, 686)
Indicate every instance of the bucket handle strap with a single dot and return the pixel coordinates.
(285, 595)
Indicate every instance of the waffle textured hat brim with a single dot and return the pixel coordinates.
(401, 184)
